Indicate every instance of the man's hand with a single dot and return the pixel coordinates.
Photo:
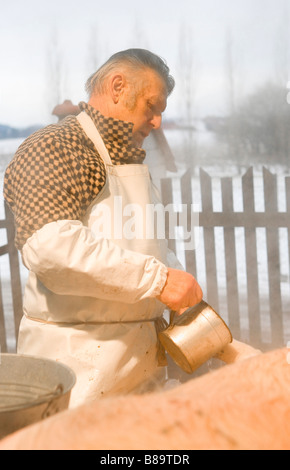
(181, 291)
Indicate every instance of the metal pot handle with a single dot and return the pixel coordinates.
(52, 407)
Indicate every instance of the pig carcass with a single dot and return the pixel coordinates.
(242, 406)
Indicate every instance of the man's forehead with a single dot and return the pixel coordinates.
(153, 79)
(157, 95)
(160, 101)
(156, 89)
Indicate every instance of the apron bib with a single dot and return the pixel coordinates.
(111, 346)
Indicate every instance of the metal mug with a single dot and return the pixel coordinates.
(195, 337)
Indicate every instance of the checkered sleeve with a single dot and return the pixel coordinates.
(47, 181)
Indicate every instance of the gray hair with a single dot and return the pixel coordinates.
(135, 59)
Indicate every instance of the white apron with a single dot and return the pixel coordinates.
(111, 346)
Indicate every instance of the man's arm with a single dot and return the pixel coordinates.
(68, 260)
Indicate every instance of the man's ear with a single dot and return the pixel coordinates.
(117, 86)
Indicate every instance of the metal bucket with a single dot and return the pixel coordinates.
(31, 389)
(195, 337)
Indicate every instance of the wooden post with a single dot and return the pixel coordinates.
(209, 240)
(186, 195)
(272, 234)
(231, 259)
(251, 261)
(16, 287)
(167, 198)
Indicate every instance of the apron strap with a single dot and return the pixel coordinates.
(93, 134)
(160, 325)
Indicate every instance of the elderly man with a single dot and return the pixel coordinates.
(94, 298)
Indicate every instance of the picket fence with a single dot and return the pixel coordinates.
(10, 286)
(255, 313)
(258, 316)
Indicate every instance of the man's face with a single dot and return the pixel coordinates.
(144, 105)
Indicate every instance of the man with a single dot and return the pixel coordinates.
(93, 300)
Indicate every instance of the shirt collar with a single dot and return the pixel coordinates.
(117, 136)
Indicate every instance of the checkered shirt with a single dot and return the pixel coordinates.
(57, 172)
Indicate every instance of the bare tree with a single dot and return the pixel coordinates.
(282, 69)
(55, 72)
(234, 83)
(187, 71)
(259, 129)
(139, 38)
(282, 47)
(93, 55)
(230, 73)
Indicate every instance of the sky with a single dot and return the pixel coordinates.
(195, 37)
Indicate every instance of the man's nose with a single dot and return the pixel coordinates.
(156, 121)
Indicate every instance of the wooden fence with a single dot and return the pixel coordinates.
(259, 317)
(262, 318)
(10, 288)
